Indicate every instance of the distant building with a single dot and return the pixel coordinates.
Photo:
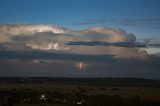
(43, 97)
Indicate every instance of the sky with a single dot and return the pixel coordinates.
(81, 14)
(80, 38)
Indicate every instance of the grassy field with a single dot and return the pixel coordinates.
(85, 94)
(144, 92)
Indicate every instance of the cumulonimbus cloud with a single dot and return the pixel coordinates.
(92, 34)
(52, 38)
(7, 31)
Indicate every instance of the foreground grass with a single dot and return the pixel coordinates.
(150, 93)
(70, 95)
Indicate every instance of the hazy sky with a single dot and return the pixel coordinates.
(80, 38)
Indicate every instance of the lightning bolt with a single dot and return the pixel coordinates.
(81, 65)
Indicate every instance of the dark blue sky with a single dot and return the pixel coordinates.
(55, 11)
(74, 13)
(66, 12)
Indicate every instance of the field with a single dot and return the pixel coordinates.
(143, 92)
(71, 94)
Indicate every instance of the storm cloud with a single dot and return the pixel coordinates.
(49, 38)
(93, 34)
(46, 48)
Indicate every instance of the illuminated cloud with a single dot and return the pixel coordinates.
(7, 31)
(93, 34)
(103, 35)
(50, 38)
(118, 52)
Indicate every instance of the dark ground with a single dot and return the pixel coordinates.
(79, 91)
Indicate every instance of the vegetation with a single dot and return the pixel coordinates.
(91, 81)
(55, 92)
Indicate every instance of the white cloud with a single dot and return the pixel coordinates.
(103, 35)
(52, 38)
(7, 31)
(94, 34)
